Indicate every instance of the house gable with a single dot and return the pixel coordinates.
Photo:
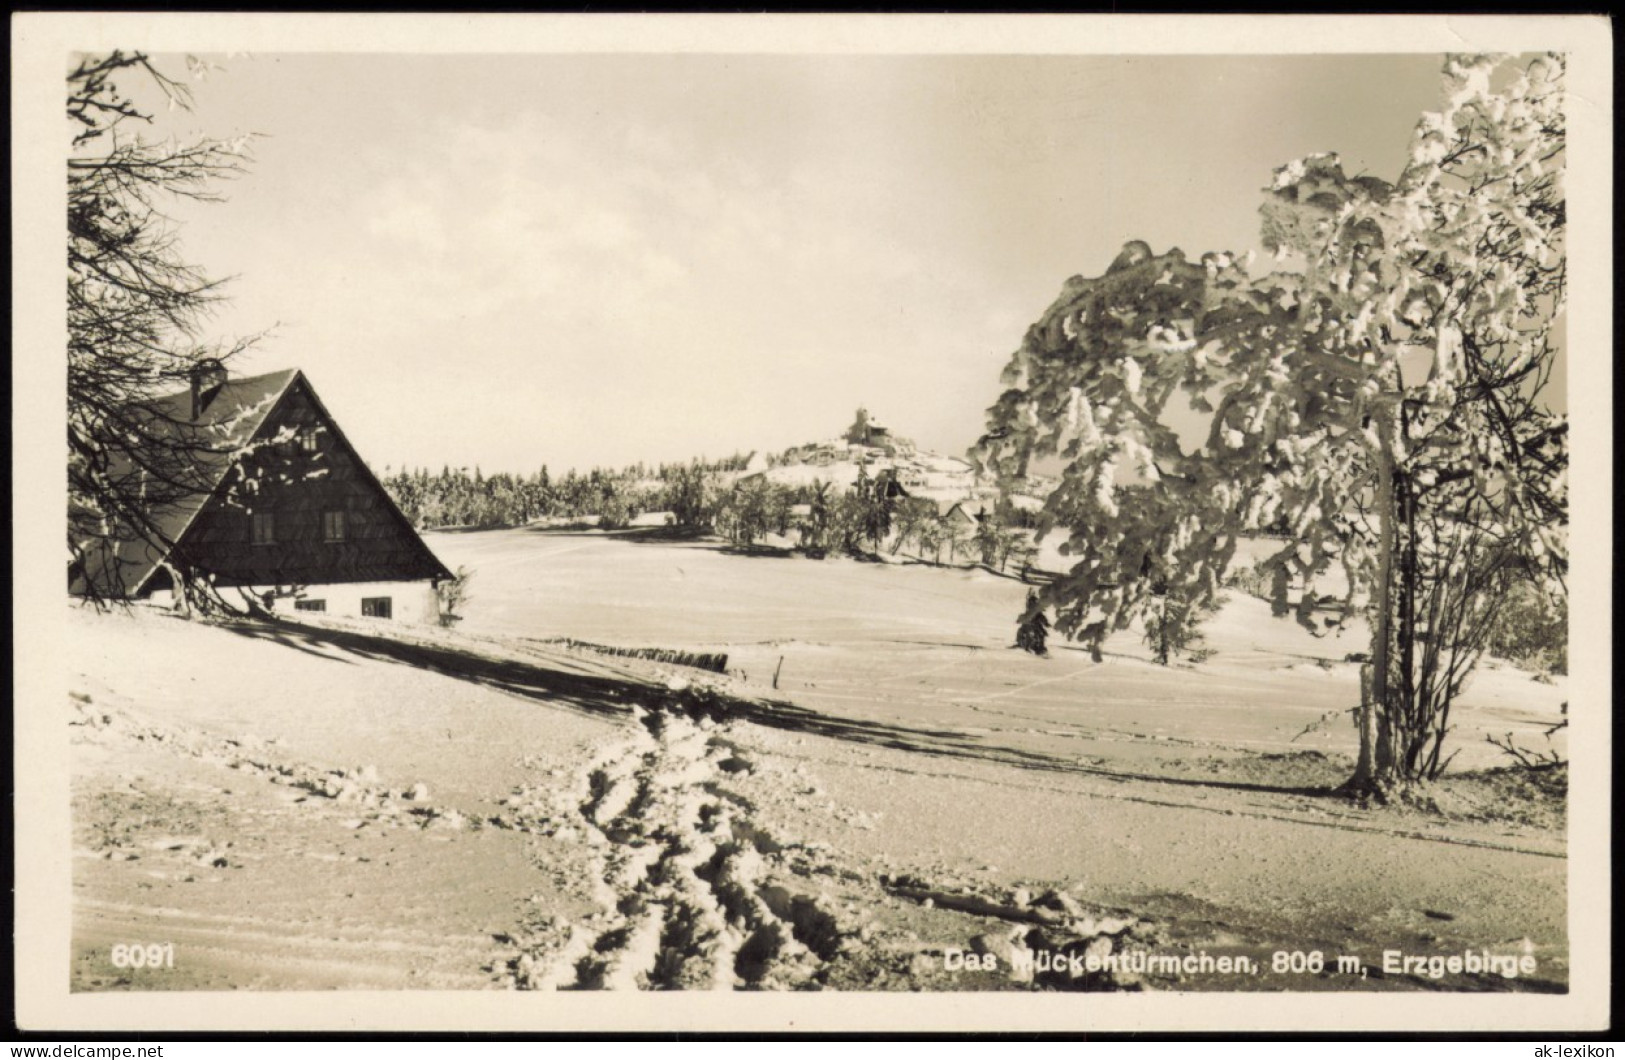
(302, 508)
(125, 563)
(323, 516)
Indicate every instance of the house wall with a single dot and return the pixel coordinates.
(411, 602)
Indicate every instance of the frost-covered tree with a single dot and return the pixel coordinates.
(1381, 395)
(615, 511)
(874, 505)
(930, 536)
(814, 530)
(916, 519)
(136, 311)
(452, 594)
(691, 497)
(994, 538)
(958, 536)
(1032, 633)
(1173, 625)
(750, 511)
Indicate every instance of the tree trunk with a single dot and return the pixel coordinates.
(1414, 724)
(1374, 770)
(180, 590)
(1366, 722)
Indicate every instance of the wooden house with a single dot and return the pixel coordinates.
(956, 516)
(285, 512)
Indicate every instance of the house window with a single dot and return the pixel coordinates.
(333, 526)
(375, 607)
(264, 528)
(310, 605)
(309, 441)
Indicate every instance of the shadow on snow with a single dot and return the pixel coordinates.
(609, 695)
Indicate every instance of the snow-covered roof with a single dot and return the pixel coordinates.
(213, 440)
(229, 420)
(227, 423)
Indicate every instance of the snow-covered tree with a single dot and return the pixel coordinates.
(958, 536)
(452, 594)
(916, 520)
(750, 511)
(1032, 632)
(691, 497)
(814, 530)
(994, 538)
(136, 310)
(1380, 394)
(875, 504)
(930, 536)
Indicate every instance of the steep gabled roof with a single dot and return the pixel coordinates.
(210, 442)
(441, 570)
(233, 418)
(947, 507)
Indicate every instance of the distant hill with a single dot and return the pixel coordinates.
(947, 480)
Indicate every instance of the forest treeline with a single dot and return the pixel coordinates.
(874, 514)
(460, 497)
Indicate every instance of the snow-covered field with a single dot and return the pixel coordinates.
(879, 782)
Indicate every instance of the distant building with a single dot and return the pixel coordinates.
(286, 512)
(870, 434)
(865, 430)
(888, 484)
(954, 514)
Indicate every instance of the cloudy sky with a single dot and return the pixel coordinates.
(585, 260)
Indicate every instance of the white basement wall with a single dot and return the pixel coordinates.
(413, 602)
(408, 601)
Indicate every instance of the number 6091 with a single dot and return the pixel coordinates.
(151, 955)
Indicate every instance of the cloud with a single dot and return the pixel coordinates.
(644, 276)
(577, 225)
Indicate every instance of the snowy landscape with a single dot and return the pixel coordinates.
(494, 807)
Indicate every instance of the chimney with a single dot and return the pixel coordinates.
(208, 376)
